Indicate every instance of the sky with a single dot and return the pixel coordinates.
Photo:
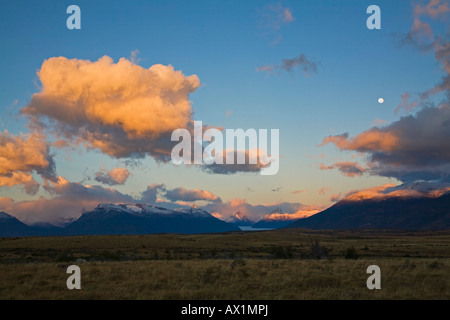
(86, 114)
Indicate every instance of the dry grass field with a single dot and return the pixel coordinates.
(282, 264)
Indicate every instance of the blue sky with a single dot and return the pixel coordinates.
(223, 43)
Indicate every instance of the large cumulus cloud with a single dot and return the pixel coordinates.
(119, 108)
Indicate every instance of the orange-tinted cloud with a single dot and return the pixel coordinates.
(119, 108)
(336, 197)
(274, 16)
(116, 176)
(412, 148)
(434, 9)
(288, 17)
(374, 139)
(405, 104)
(182, 194)
(347, 168)
(20, 157)
(299, 191)
(300, 214)
(323, 190)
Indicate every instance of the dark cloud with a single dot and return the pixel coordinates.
(414, 147)
(301, 62)
(226, 168)
(116, 176)
(347, 168)
(151, 193)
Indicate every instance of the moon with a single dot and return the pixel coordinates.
(381, 100)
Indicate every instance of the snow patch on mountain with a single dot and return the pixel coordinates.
(417, 189)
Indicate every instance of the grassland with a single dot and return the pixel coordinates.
(282, 264)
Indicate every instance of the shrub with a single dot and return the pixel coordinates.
(280, 252)
(317, 251)
(351, 253)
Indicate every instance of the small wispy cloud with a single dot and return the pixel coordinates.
(299, 191)
(323, 190)
(272, 18)
(302, 62)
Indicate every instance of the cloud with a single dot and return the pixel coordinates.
(336, 197)
(405, 104)
(299, 191)
(422, 37)
(120, 108)
(372, 140)
(227, 168)
(116, 176)
(68, 202)
(20, 157)
(254, 212)
(323, 190)
(272, 18)
(434, 9)
(268, 69)
(300, 214)
(347, 168)
(150, 195)
(302, 62)
(414, 147)
(182, 194)
(275, 16)
(288, 17)
(378, 122)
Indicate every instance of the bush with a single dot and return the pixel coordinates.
(351, 253)
(282, 253)
(317, 251)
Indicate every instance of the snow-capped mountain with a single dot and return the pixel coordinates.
(240, 219)
(279, 219)
(418, 189)
(109, 218)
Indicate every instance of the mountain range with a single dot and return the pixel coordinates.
(109, 218)
(410, 207)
